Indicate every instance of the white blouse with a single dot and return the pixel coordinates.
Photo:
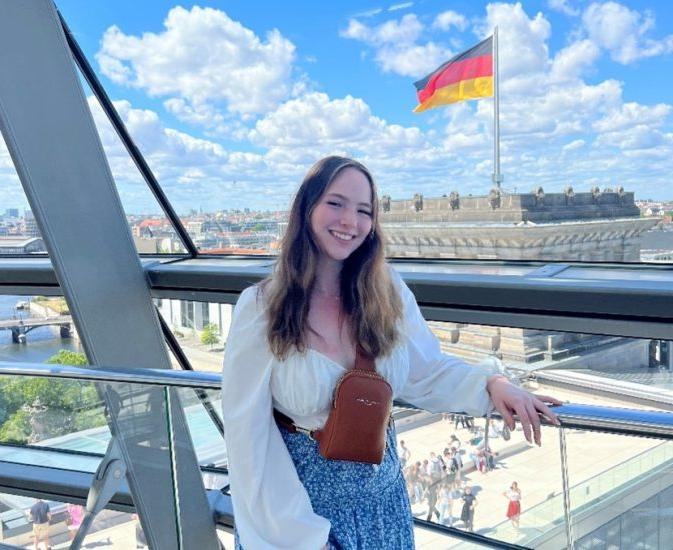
(271, 506)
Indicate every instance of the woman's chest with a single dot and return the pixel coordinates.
(304, 384)
(330, 333)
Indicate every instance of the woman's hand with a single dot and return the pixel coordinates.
(511, 400)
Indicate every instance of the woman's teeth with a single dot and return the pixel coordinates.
(342, 236)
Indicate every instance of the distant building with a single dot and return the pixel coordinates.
(30, 229)
(594, 226)
(21, 245)
(12, 213)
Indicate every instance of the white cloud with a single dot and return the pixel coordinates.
(202, 57)
(574, 60)
(623, 32)
(639, 136)
(633, 114)
(405, 31)
(315, 120)
(448, 19)
(400, 6)
(368, 13)
(522, 41)
(414, 61)
(574, 145)
(563, 6)
(396, 48)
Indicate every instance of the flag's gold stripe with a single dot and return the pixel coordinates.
(460, 91)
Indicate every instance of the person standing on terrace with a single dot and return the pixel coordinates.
(330, 300)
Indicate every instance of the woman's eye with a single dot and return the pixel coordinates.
(366, 212)
(334, 203)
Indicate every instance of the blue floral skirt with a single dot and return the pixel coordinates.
(367, 505)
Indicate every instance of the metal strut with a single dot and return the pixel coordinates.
(109, 475)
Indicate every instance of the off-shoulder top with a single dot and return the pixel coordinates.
(271, 507)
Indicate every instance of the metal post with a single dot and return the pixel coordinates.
(566, 488)
(497, 176)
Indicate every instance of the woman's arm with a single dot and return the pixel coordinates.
(439, 382)
(271, 506)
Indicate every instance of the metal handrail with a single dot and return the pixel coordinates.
(573, 416)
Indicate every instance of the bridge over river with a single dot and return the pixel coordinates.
(22, 326)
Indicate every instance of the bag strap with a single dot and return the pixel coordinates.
(363, 361)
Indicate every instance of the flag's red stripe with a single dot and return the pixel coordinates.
(467, 69)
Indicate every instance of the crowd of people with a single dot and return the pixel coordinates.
(439, 481)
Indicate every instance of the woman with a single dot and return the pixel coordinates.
(75, 518)
(514, 506)
(292, 338)
(443, 500)
(467, 513)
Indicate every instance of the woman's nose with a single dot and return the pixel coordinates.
(348, 217)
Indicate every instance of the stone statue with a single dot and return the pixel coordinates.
(538, 193)
(595, 194)
(454, 200)
(418, 202)
(494, 196)
(385, 203)
(569, 195)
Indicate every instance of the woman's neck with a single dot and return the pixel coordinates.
(327, 275)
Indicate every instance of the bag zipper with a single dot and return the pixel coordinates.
(365, 373)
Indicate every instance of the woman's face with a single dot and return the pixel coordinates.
(342, 218)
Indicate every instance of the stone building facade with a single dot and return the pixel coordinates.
(593, 226)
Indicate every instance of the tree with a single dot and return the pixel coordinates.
(37, 408)
(65, 357)
(209, 336)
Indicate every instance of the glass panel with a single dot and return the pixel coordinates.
(201, 329)
(34, 329)
(41, 414)
(151, 230)
(18, 231)
(202, 409)
(619, 490)
(621, 366)
(111, 529)
(451, 466)
(236, 232)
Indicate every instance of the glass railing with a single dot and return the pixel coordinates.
(599, 457)
(57, 424)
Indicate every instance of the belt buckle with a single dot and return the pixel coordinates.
(305, 431)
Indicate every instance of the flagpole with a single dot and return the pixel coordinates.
(497, 176)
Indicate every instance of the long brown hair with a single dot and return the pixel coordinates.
(367, 292)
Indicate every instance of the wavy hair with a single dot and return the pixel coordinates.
(367, 292)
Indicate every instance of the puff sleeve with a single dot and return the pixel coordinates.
(439, 382)
(271, 506)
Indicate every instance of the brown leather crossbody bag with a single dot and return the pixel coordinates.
(357, 426)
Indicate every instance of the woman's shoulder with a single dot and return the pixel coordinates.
(251, 301)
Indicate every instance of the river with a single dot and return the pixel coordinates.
(42, 342)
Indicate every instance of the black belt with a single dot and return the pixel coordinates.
(286, 422)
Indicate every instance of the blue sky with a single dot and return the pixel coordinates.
(232, 101)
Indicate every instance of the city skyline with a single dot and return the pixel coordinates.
(256, 96)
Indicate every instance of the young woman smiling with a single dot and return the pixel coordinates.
(294, 336)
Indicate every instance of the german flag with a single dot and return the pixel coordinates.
(468, 75)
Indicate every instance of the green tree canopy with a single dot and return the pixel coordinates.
(36, 408)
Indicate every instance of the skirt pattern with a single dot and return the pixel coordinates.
(367, 505)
